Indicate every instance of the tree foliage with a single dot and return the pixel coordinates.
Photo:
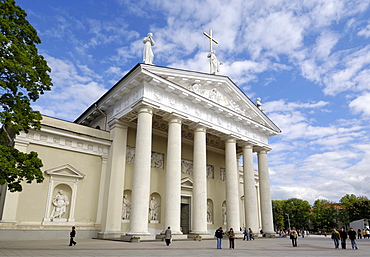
(299, 212)
(354, 208)
(278, 214)
(294, 212)
(24, 76)
(324, 215)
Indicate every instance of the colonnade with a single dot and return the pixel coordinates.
(141, 180)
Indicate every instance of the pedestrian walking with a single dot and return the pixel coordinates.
(168, 236)
(72, 236)
(352, 237)
(245, 232)
(335, 237)
(219, 234)
(293, 236)
(251, 237)
(343, 237)
(231, 235)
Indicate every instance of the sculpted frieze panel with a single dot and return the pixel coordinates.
(187, 167)
(210, 171)
(157, 159)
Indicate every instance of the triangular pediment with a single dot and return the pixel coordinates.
(187, 183)
(220, 91)
(65, 171)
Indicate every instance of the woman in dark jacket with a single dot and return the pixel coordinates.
(231, 235)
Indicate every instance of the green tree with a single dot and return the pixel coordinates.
(346, 201)
(298, 211)
(359, 209)
(279, 215)
(24, 75)
(323, 215)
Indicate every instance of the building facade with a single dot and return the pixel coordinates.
(163, 147)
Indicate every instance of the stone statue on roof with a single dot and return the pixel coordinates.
(148, 55)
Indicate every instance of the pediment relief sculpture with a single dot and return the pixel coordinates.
(216, 96)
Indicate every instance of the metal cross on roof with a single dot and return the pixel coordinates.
(210, 39)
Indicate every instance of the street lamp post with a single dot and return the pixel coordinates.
(288, 219)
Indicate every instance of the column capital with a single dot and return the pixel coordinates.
(199, 128)
(262, 149)
(144, 107)
(229, 139)
(116, 123)
(246, 145)
(174, 117)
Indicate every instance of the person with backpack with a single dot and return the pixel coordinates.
(335, 237)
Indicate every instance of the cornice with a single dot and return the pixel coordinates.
(52, 137)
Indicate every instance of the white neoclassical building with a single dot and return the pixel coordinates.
(163, 147)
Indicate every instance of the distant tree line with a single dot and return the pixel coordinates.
(323, 215)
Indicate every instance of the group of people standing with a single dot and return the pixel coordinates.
(219, 234)
(342, 236)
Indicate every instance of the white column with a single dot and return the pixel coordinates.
(173, 176)
(111, 222)
(199, 222)
(103, 175)
(232, 188)
(142, 168)
(250, 197)
(10, 207)
(265, 194)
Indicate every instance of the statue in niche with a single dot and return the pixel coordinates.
(148, 52)
(209, 213)
(126, 208)
(224, 213)
(153, 209)
(60, 202)
(222, 174)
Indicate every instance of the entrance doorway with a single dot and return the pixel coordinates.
(185, 215)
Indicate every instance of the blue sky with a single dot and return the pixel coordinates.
(307, 60)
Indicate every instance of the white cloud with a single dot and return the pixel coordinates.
(361, 104)
(75, 88)
(365, 32)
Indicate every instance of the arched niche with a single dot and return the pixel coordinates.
(63, 184)
(126, 206)
(154, 208)
(210, 211)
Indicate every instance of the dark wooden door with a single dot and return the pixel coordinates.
(185, 218)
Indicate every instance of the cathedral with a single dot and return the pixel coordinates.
(162, 148)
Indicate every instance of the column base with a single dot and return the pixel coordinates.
(137, 238)
(198, 232)
(202, 236)
(144, 233)
(270, 234)
(174, 237)
(109, 235)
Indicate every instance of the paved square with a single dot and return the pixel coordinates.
(311, 246)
